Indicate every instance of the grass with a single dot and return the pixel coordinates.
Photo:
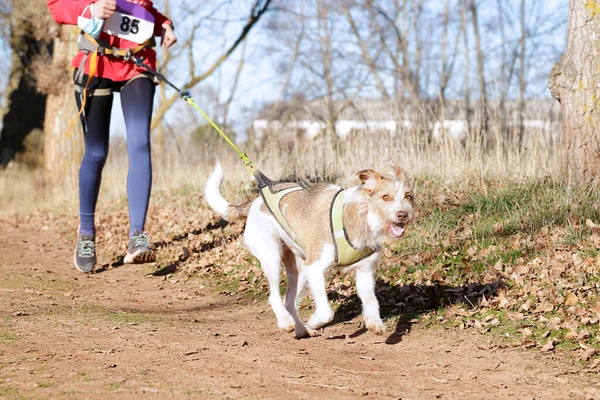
(113, 386)
(250, 290)
(87, 314)
(38, 282)
(72, 393)
(8, 337)
(11, 393)
(200, 393)
(128, 317)
(92, 314)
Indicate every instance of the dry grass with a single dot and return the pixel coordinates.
(448, 161)
(187, 163)
(22, 190)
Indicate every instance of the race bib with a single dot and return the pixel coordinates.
(130, 22)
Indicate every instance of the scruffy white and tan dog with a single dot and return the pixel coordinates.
(306, 239)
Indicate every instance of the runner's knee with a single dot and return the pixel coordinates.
(138, 146)
(95, 157)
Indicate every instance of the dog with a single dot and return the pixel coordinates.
(305, 242)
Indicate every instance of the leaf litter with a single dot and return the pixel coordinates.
(533, 288)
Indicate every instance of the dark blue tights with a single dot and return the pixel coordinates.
(136, 103)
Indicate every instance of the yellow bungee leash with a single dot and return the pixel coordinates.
(187, 96)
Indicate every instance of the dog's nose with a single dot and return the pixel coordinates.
(402, 216)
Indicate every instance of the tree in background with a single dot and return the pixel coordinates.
(420, 57)
(63, 136)
(574, 82)
(256, 10)
(481, 71)
(31, 34)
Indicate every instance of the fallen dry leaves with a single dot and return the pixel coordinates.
(537, 290)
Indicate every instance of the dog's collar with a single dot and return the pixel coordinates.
(345, 252)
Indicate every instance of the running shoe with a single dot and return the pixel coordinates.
(85, 253)
(139, 250)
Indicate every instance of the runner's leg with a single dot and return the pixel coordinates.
(136, 102)
(96, 126)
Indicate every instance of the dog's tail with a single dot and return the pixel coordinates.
(217, 202)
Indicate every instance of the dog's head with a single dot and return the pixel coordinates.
(389, 199)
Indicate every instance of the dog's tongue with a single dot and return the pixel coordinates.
(396, 230)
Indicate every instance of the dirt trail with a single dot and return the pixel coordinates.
(120, 334)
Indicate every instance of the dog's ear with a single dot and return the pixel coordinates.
(369, 179)
(399, 172)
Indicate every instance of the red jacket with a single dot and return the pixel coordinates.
(116, 69)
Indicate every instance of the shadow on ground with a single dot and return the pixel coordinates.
(409, 302)
(186, 252)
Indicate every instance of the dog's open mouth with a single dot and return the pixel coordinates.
(396, 229)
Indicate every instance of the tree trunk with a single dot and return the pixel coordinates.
(25, 105)
(522, 77)
(62, 152)
(443, 75)
(480, 73)
(158, 142)
(465, 31)
(326, 56)
(404, 76)
(574, 83)
(366, 56)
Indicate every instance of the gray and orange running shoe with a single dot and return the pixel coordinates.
(85, 253)
(139, 250)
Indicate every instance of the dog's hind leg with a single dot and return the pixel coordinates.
(291, 269)
(271, 265)
(301, 291)
(296, 278)
(262, 242)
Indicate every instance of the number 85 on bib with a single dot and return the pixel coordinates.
(130, 22)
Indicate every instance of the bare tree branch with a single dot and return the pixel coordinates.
(258, 10)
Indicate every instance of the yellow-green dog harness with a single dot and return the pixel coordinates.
(345, 253)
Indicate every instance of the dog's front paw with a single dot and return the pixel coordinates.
(317, 321)
(375, 325)
(286, 324)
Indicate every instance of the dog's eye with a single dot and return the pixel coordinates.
(409, 197)
(387, 197)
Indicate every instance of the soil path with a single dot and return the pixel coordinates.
(121, 334)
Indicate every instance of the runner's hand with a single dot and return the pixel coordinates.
(168, 37)
(103, 9)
